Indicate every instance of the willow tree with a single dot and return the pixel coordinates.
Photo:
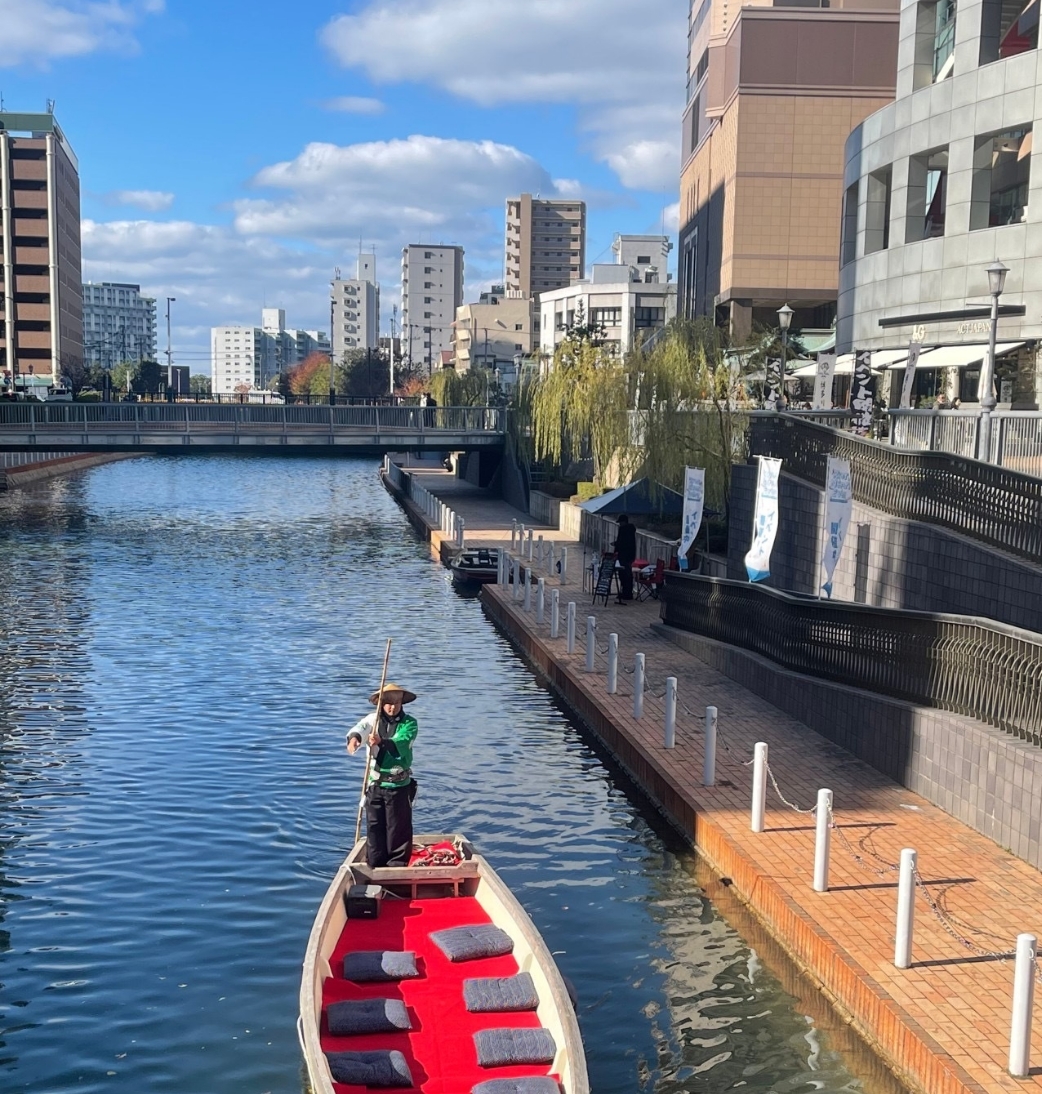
(452, 388)
(580, 404)
(691, 407)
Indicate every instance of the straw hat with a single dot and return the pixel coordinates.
(407, 696)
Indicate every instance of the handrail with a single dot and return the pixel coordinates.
(988, 671)
(993, 505)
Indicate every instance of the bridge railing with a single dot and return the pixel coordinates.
(976, 667)
(992, 505)
(187, 417)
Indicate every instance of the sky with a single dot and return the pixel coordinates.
(233, 154)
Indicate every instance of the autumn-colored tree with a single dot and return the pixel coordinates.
(301, 376)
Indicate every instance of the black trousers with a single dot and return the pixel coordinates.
(388, 826)
(626, 580)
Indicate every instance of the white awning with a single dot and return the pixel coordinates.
(957, 356)
(844, 365)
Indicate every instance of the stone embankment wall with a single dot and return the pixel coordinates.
(48, 465)
(886, 561)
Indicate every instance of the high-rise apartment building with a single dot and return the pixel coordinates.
(773, 91)
(41, 311)
(356, 309)
(119, 324)
(244, 359)
(432, 290)
(545, 243)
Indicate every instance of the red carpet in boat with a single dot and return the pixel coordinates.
(440, 1047)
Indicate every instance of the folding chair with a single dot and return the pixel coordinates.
(647, 584)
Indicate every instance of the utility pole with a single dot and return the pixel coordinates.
(390, 349)
(169, 351)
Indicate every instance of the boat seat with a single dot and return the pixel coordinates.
(500, 993)
(507, 1047)
(472, 942)
(363, 966)
(527, 1084)
(376, 1067)
(354, 1016)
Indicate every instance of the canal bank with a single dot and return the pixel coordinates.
(36, 467)
(943, 1024)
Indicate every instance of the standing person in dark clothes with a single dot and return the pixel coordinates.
(390, 733)
(625, 552)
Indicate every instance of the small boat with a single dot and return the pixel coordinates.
(431, 977)
(476, 566)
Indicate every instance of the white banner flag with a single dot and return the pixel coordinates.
(823, 381)
(914, 349)
(765, 519)
(694, 501)
(839, 506)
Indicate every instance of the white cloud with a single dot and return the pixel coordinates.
(623, 68)
(37, 31)
(354, 104)
(671, 218)
(152, 201)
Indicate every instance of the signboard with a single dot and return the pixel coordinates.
(823, 381)
(914, 349)
(839, 507)
(863, 393)
(765, 519)
(694, 501)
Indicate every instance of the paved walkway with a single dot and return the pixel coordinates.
(944, 1023)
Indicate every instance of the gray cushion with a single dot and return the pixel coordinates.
(381, 1067)
(367, 1016)
(366, 965)
(500, 993)
(497, 1047)
(468, 943)
(531, 1084)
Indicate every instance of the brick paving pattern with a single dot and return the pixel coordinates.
(945, 1022)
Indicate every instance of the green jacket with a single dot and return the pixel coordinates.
(392, 765)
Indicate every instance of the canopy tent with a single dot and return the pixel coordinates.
(957, 356)
(636, 499)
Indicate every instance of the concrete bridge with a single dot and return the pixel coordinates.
(201, 427)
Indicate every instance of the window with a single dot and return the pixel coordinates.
(643, 260)
(877, 211)
(1007, 29)
(428, 269)
(427, 254)
(927, 195)
(1001, 173)
(848, 243)
(934, 42)
(518, 346)
(606, 317)
(519, 326)
(648, 317)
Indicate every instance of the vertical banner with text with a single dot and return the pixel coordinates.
(694, 502)
(826, 370)
(863, 393)
(839, 507)
(765, 519)
(914, 349)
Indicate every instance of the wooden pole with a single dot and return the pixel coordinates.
(369, 757)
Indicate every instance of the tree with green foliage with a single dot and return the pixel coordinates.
(199, 384)
(452, 388)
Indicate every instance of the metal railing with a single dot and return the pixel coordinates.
(191, 417)
(993, 505)
(1016, 435)
(985, 670)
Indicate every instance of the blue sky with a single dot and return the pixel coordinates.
(232, 154)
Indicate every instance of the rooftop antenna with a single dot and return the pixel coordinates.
(50, 106)
(1, 102)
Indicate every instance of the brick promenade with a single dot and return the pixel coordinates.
(944, 1023)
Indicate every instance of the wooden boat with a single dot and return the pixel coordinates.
(476, 566)
(440, 1050)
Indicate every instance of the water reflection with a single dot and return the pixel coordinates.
(181, 648)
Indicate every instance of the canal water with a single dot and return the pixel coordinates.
(182, 644)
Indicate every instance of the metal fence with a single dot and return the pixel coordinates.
(985, 670)
(992, 505)
(1016, 435)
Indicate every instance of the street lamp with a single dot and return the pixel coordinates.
(986, 392)
(169, 350)
(785, 314)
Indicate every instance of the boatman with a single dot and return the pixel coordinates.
(391, 788)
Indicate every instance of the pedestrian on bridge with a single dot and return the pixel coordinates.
(390, 787)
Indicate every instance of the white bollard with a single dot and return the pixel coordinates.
(517, 581)
(539, 550)
(570, 647)
(540, 601)
(462, 537)
(555, 612)
(591, 641)
(670, 736)
(564, 565)
(613, 663)
(513, 533)
(550, 557)
(529, 545)
(638, 686)
(905, 910)
(1023, 1002)
(499, 567)
(822, 841)
(528, 589)
(759, 787)
(709, 758)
